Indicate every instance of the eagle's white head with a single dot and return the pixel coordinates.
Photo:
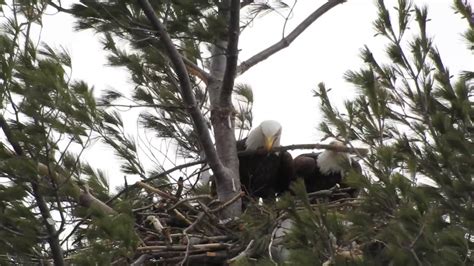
(332, 161)
(267, 135)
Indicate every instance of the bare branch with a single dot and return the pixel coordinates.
(155, 190)
(186, 91)
(232, 54)
(232, 200)
(196, 70)
(182, 166)
(360, 151)
(246, 3)
(285, 42)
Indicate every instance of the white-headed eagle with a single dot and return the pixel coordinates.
(324, 170)
(265, 174)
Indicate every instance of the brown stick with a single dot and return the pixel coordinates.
(236, 197)
(155, 190)
(361, 151)
(209, 246)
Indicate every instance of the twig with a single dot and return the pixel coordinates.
(336, 148)
(236, 197)
(210, 246)
(181, 216)
(156, 176)
(140, 260)
(189, 199)
(242, 254)
(180, 184)
(272, 237)
(155, 190)
(185, 232)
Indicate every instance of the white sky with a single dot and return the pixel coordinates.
(283, 83)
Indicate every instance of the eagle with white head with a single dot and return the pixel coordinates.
(324, 170)
(269, 174)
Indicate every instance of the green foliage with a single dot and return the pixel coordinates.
(417, 122)
(47, 121)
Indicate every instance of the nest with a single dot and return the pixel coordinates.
(179, 230)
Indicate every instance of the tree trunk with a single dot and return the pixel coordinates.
(223, 124)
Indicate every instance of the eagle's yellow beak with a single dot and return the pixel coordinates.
(269, 143)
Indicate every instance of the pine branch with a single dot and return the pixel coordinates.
(285, 42)
(53, 239)
(186, 91)
(232, 54)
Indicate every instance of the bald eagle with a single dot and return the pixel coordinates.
(324, 170)
(265, 174)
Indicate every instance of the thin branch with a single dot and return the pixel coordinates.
(210, 246)
(246, 3)
(232, 200)
(156, 176)
(232, 54)
(11, 139)
(155, 190)
(196, 70)
(189, 199)
(285, 42)
(53, 239)
(336, 148)
(130, 106)
(244, 253)
(186, 91)
(185, 232)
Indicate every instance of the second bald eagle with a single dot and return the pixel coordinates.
(324, 170)
(265, 175)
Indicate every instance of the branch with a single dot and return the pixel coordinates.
(203, 247)
(186, 91)
(156, 176)
(8, 133)
(157, 191)
(232, 54)
(196, 70)
(336, 148)
(243, 254)
(53, 239)
(285, 42)
(246, 3)
(232, 200)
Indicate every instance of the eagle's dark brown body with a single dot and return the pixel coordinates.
(265, 175)
(306, 167)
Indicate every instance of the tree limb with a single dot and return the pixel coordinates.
(186, 91)
(336, 148)
(48, 221)
(285, 42)
(156, 176)
(232, 54)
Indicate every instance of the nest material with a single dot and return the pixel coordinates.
(185, 230)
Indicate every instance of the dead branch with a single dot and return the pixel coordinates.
(204, 247)
(156, 191)
(336, 148)
(285, 42)
(232, 200)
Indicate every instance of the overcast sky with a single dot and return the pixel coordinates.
(283, 83)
